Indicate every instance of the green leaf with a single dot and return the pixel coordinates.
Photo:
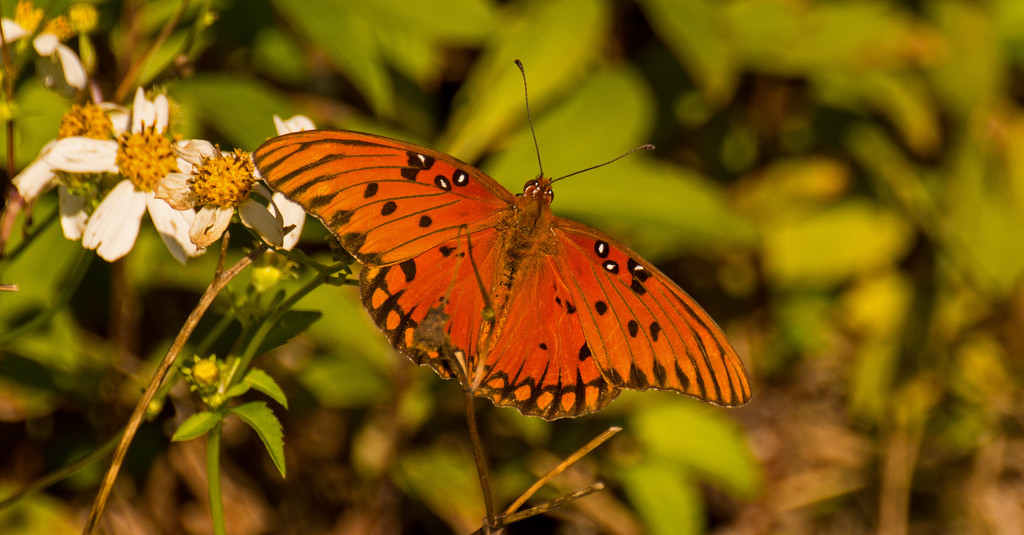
(417, 49)
(343, 382)
(831, 245)
(267, 426)
(436, 475)
(490, 102)
(236, 390)
(701, 439)
(345, 32)
(666, 497)
(972, 73)
(278, 55)
(262, 381)
(807, 39)
(291, 324)
(37, 513)
(904, 99)
(692, 31)
(240, 108)
(196, 425)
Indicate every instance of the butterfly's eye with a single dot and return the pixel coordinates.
(535, 190)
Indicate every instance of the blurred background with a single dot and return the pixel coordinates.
(840, 183)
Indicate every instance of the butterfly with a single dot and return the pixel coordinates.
(547, 315)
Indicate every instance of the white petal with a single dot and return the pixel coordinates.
(119, 116)
(45, 44)
(161, 110)
(83, 155)
(12, 30)
(72, 214)
(263, 191)
(74, 72)
(32, 180)
(143, 112)
(114, 225)
(255, 216)
(194, 150)
(173, 226)
(293, 214)
(174, 190)
(209, 225)
(297, 123)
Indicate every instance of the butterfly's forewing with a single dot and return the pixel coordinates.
(644, 332)
(387, 201)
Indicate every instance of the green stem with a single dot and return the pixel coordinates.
(84, 259)
(265, 324)
(32, 234)
(213, 479)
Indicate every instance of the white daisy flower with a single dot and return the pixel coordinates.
(141, 157)
(59, 67)
(59, 159)
(217, 183)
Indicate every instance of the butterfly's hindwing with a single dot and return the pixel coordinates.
(539, 362)
(399, 297)
(644, 331)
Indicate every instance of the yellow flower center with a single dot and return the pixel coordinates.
(59, 26)
(206, 373)
(28, 16)
(145, 158)
(223, 181)
(83, 17)
(87, 120)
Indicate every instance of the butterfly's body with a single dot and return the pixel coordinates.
(565, 317)
(525, 240)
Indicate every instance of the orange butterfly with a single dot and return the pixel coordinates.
(577, 316)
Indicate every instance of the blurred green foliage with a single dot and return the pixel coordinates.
(839, 182)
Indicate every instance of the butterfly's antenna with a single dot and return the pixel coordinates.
(647, 146)
(529, 118)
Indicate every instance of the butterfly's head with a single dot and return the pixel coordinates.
(539, 190)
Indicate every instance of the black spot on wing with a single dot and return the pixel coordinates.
(601, 307)
(371, 190)
(655, 329)
(425, 221)
(584, 353)
(408, 269)
(416, 162)
(637, 270)
(660, 375)
(388, 208)
(341, 217)
(637, 286)
(634, 328)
